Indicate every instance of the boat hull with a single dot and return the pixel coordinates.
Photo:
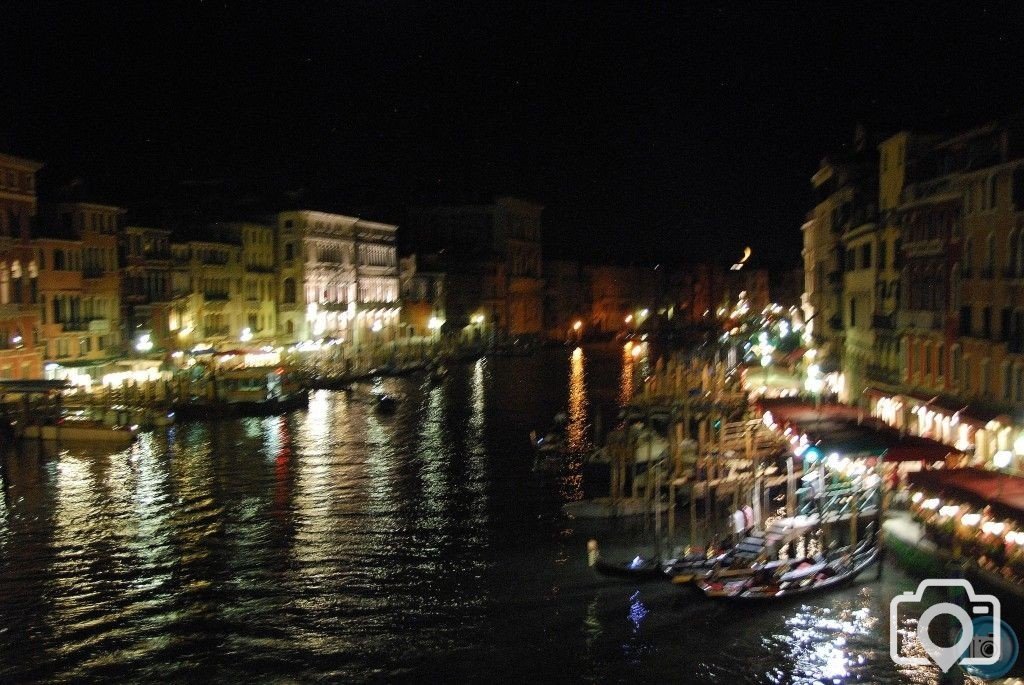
(105, 435)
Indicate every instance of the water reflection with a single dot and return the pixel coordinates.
(577, 428)
(626, 376)
(341, 544)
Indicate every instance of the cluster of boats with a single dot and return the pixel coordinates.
(755, 569)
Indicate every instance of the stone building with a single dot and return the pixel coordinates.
(146, 285)
(20, 336)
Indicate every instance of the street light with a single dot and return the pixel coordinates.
(577, 326)
(144, 343)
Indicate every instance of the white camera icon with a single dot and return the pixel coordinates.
(985, 654)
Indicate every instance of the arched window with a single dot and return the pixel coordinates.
(58, 260)
(289, 291)
(289, 327)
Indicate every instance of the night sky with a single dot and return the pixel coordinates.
(655, 132)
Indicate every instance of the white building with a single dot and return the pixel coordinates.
(338, 277)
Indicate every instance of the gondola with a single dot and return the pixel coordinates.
(639, 569)
(796, 578)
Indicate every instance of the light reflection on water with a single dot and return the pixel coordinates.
(345, 544)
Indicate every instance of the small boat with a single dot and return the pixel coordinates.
(82, 431)
(640, 568)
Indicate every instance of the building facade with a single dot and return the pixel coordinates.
(146, 285)
(494, 253)
(20, 335)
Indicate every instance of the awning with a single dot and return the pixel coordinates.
(848, 432)
(1003, 492)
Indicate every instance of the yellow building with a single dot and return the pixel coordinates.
(208, 307)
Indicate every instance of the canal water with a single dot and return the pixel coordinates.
(342, 544)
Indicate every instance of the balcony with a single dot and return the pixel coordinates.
(921, 318)
(74, 325)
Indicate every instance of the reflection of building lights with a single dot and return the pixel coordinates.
(246, 335)
(434, 323)
(577, 326)
(186, 331)
(636, 351)
(644, 313)
(629, 318)
(478, 319)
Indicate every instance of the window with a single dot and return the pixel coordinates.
(289, 291)
(990, 254)
(1007, 382)
(881, 254)
(940, 361)
(957, 362)
(58, 260)
(986, 323)
(853, 312)
(926, 352)
(1018, 383)
(865, 256)
(1005, 323)
(992, 194)
(968, 257)
(984, 379)
(289, 251)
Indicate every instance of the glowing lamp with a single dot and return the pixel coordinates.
(1002, 459)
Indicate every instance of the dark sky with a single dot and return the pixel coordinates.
(666, 131)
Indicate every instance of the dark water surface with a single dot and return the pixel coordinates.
(339, 544)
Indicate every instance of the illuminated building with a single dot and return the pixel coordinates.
(20, 356)
(337, 277)
(423, 295)
(80, 282)
(206, 283)
(146, 284)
